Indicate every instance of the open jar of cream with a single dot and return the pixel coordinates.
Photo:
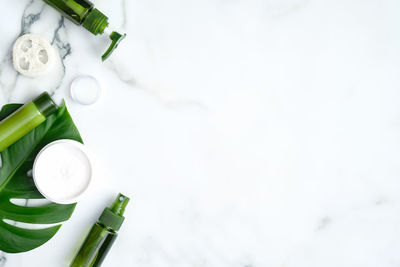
(62, 171)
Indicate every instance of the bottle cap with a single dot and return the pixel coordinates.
(112, 217)
(45, 104)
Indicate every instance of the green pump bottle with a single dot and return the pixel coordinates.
(102, 235)
(83, 12)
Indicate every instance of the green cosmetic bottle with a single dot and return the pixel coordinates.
(102, 235)
(83, 12)
(25, 119)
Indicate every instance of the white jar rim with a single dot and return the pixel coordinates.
(85, 90)
(67, 189)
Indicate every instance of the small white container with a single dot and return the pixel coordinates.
(85, 90)
(62, 171)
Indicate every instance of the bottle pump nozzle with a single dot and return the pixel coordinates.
(83, 12)
(112, 217)
(96, 22)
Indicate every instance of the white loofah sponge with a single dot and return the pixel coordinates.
(33, 56)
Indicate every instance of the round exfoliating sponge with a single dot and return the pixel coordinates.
(33, 56)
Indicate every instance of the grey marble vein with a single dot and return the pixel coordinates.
(3, 259)
(32, 14)
(64, 47)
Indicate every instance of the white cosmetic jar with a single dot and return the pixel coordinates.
(62, 171)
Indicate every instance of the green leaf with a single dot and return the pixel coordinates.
(15, 183)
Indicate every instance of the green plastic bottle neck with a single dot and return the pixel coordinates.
(45, 104)
(112, 217)
(95, 21)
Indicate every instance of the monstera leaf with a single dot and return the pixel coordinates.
(16, 183)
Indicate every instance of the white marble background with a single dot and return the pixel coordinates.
(250, 133)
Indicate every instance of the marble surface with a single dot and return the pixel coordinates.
(249, 133)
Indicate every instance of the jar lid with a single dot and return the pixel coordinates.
(85, 90)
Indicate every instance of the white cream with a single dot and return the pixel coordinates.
(62, 171)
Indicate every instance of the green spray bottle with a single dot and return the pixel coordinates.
(102, 235)
(83, 12)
